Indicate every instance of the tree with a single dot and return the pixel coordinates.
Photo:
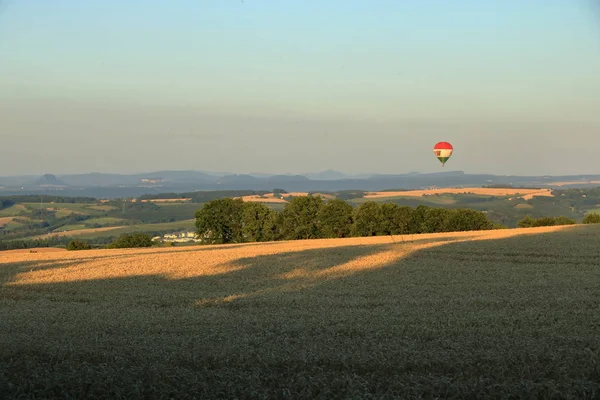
(418, 219)
(396, 219)
(388, 223)
(336, 219)
(257, 222)
(368, 219)
(300, 218)
(76, 244)
(526, 222)
(220, 221)
(435, 220)
(465, 219)
(591, 218)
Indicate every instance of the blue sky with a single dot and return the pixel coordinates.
(296, 86)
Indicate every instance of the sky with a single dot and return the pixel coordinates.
(282, 86)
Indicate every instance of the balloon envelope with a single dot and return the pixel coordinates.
(443, 151)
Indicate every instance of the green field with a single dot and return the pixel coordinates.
(73, 227)
(77, 207)
(105, 221)
(514, 317)
(13, 211)
(178, 225)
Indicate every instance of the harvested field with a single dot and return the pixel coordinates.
(524, 193)
(506, 313)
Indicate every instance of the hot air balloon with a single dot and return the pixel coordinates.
(443, 151)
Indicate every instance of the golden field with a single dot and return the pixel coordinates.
(500, 313)
(524, 193)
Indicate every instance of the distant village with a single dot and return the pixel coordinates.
(178, 237)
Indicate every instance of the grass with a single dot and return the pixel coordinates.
(13, 211)
(183, 225)
(105, 221)
(73, 227)
(103, 208)
(459, 315)
(78, 207)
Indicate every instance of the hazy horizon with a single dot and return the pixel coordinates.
(296, 87)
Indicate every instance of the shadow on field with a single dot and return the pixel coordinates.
(326, 257)
(256, 275)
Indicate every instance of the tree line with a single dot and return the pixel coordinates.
(235, 221)
(529, 222)
(35, 198)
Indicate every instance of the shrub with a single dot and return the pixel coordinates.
(76, 244)
(125, 241)
(564, 221)
(529, 222)
(591, 218)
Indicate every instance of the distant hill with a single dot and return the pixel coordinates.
(49, 179)
(328, 175)
(132, 185)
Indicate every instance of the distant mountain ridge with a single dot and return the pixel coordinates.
(126, 185)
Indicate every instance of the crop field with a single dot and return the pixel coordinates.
(524, 193)
(498, 314)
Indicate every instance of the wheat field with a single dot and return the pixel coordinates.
(494, 314)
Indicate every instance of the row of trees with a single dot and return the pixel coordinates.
(124, 241)
(35, 198)
(529, 222)
(235, 221)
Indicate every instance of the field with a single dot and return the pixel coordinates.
(523, 193)
(119, 230)
(166, 201)
(497, 314)
(79, 231)
(5, 220)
